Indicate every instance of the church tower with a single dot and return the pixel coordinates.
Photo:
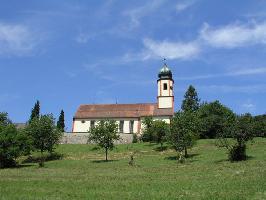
(165, 84)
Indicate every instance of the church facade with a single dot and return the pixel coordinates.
(129, 116)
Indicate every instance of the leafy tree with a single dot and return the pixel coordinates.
(241, 132)
(35, 112)
(4, 120)
(104, 135)
(13, 142)
(61, 121)
(147, 132)
(44, 134)
(160, 130)
(184, 131)
(259, 127)
(214, 118)
(191, 100)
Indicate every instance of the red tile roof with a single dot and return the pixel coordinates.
(121, 111)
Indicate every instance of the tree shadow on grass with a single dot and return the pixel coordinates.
(227, 160)
(103, 161)
(49, 157)
(160, 148)
(150, 144)
(186, 159)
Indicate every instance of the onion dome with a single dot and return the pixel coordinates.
(165, 72)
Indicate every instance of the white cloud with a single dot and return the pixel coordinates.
(16, 40)
(180, 6)
(137, 13)
(234, 35)
(238, 72)
(170, 50)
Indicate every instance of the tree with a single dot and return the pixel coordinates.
(35, 112)
(61, 121)
(147, 132)
(184, 131)
(104, 134)
(214, 118)
(191, 100)
(259, 127)
(13, 142)
(241, 132)
(160, 130)
(44, 134)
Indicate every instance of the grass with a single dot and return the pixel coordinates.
(81, 174)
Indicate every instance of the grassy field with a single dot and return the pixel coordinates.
(81, 174)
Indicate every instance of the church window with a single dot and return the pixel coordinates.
(165, 86)
(82, 121)
(131, 126)
(121, 126)
(92, 123)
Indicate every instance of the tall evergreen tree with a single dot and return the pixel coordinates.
(191, 100)
(61, 121)
(35, 112)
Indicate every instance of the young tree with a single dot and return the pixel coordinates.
(44, 134)
(191, 100)
(61, 121)
(104, 135)
(160, 130)
(148, 135)
(241, 132)
(184, 131)
(214, 118)
(13, 142)
(35, 112)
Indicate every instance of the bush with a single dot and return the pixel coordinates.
(13, 143)
(237, 153)
(135, 138)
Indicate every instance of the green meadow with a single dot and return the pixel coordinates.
(82, 174)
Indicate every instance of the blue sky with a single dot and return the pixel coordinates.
(66, 53)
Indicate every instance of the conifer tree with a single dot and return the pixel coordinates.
(61, 121)
(35, 112)
(191, 100)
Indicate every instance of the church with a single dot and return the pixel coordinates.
(129, 116)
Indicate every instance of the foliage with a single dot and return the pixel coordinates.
(160, 129)
(61, 121)
(184, 131)
(241, 131)
(191, 100)
(147, 133)
(259, 128)
(44, 134)
(214, 118)
(13, 142)
(135, 138)
(35, 112)
(4, 120)
(104, 134)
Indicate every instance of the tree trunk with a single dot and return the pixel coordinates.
(186, 154)
(106, 151)
(161, 146)
(41, 163)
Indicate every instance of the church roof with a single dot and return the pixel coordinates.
(121, 111)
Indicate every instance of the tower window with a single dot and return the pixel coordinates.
(165, 86)
(121, 126)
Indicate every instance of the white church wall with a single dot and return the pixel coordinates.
(85, 127)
